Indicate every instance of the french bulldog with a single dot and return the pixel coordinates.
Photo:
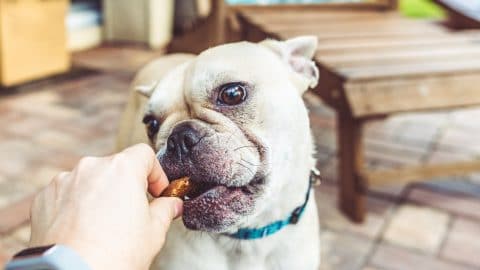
(233, 120)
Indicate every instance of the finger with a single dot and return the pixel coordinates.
(163, 211)
(157, 180)
(142, 157)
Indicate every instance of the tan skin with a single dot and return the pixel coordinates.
(101, 210)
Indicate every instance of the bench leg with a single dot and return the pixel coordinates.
(350, 149)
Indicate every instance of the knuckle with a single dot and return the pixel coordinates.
(147, 149)
(87, 162)
(60, 176)
(119, 158)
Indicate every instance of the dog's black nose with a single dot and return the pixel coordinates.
(183, 138)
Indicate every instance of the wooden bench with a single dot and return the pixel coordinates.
(374, 63)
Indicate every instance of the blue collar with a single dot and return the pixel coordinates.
(293, 218)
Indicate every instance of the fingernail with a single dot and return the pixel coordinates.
(178, 208)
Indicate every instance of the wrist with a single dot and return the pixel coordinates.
(100, 257)
(52, 257)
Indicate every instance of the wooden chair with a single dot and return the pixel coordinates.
(374, 63)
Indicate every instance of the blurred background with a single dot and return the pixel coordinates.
(398, 79)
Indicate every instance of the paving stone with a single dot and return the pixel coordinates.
(42, 176)
(316, 106)
(466, 115)
(450, 202)
(391, 191)
(45, 106)
(332, 219)
(116, 59)
(474, 178)
(31, 99)
(13, 191)
(389, 257)
(456, 140)
(61, 148)
(459, 185)
(440, 156)
(463, 243)
(396, 153)
(324, 138)
(27, 125)
(329, 170)
(16, 156)
(377, 162)
(62, 160)
(342, 251)
(322, 156)
(417, 133)
(3, 179)
(100, 147)
(56, 139)
(417, 227)
(81, 133)
(437, 118)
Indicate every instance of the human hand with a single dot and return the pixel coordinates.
(101, 210)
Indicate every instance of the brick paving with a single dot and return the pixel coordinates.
(46, 126)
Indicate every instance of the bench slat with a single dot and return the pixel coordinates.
(388, 96)
(394, 56)
(361, 44)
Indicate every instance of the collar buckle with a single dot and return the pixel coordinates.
(296, 215)
(315, 177)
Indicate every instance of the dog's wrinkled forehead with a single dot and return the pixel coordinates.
(168, 93)
(237, 62)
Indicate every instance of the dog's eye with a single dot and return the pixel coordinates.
(152, 124)
(232, 94)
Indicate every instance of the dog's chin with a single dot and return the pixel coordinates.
(218, 209)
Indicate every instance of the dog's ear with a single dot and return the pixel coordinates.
(297, 53)
(146, 89)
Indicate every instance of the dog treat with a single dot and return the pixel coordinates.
(178, 188)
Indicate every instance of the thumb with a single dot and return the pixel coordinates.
(163, 210)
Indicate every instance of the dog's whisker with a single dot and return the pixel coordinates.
(229, 138)
(250, 163)
(244, 146)
(246, 167)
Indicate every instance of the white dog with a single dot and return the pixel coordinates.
(233, 120)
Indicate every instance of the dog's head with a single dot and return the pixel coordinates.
(226, 119)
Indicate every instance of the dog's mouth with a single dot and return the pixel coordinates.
(214, 207)
(217, 194)
(204, 188)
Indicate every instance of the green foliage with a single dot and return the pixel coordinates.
(421, 9)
